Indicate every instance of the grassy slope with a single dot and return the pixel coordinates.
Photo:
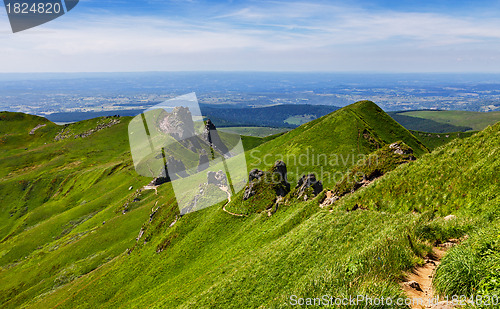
(212, 259)
(476, 120)
(434, 140)
(204, 250)
(55, 198)
(330, 145)
(254, 131)
(460, 178)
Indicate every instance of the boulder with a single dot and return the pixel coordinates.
(281, 185)
(255, 174)
(279, 169)
(399, 149)
(309, 181)
(249, 191)
(278, 181)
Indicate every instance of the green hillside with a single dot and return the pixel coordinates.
(462, 179)
(434, 140)
(446, 121)
(75, 235)
(62, 201)
(330, 145)
(212, 259)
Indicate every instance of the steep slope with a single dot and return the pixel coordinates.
(19, 131)
(69, 191)
(330, 145)
(212, 259)
(63, 192)
(460, 177)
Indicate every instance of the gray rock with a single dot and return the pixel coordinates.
(282, 186)
(309, 181)
(398, 149)
(249, 191)
(255, 174)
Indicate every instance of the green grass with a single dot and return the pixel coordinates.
(476, 120)
(472, 268)
(254, 131)
(64, 237)
(459, 177)
(375, 165)
(434, 140)
(56, 196)
(330, 145)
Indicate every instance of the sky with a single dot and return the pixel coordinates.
(191, 35)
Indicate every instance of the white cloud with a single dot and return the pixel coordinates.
(295, 36)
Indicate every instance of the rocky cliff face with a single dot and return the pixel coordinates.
(211, 136)
(179, 124)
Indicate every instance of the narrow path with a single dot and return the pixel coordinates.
(418, 285)
(226, 189)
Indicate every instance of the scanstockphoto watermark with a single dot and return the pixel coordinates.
(365, 300)
(26, 14)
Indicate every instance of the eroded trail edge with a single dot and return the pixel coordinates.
(418, 285)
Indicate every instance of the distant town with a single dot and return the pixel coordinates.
(136, 91)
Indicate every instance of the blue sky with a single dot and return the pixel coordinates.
(177, 35)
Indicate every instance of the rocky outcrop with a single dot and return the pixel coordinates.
(211, 136)
(217, 178)
(308, 181)
(249, 191)
(66, 132)
(255, 174)
(179, 125)
(281, 184)
(277, 178)
(158, 181)
(401, 149)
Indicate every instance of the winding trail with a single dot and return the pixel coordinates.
(226, 189)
